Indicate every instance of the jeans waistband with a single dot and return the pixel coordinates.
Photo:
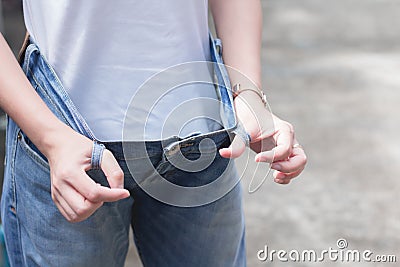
(195, 144)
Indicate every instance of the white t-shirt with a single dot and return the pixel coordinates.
(103, 51)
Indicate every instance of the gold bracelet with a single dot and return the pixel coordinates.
(236, 90)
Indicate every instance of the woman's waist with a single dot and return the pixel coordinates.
(117, 114)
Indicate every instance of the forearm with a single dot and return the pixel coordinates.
(20, 101)
(239, 26)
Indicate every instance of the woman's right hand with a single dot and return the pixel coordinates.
(75, 194)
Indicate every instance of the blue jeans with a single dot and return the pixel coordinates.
(211, 234)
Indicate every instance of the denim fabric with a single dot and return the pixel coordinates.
(165, 235)
(97, 154)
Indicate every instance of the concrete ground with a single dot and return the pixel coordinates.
(331, 68)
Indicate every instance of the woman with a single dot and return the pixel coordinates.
(89, 150)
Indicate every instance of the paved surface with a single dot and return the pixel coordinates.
(331, 68)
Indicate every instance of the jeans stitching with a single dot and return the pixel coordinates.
(14, 205)
(12, 170)
(49, 98)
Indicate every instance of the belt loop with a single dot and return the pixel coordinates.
(218, 45)
(240, 131)
(97, 153)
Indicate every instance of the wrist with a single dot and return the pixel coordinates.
(53, 137)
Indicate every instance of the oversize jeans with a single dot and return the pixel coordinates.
(211, 234)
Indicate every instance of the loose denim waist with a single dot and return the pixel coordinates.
(195, 144)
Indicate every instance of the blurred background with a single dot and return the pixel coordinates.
(331, 68)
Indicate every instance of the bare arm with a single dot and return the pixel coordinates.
(75, 194)
(18, 98)
(239, 26)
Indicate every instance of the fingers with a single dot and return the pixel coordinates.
(290, 168)
(282, 151)
(295, 162)
(286, 169)
(72, 205)
(97, 193)
(236, 148)
(265, 156)
(285, 178)
(112, 170)
(78, 196)
(284, 143)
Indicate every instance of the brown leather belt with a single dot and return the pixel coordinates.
(21, 53)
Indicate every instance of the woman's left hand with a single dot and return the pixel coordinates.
(271, 138)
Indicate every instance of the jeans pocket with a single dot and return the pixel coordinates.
(32, 151)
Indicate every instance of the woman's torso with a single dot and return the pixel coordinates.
(103, 51)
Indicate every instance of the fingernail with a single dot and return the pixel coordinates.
(277, 167)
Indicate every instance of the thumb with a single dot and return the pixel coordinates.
(113, 172)
(235, 149)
